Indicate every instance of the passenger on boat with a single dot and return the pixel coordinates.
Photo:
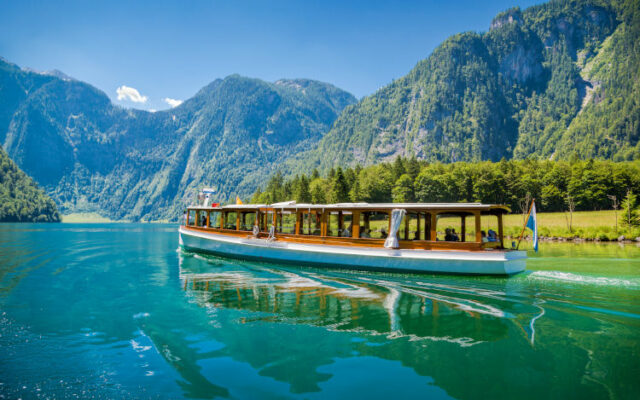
(456, 238)
(346, 232)
(485, 239)
(383, 233)
(204, 220)
(364, 233)
(493, 236)
(448, 236)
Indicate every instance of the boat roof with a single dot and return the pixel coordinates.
(292, 205)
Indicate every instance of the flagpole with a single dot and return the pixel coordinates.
(525, 223)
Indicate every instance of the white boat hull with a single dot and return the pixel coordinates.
(452, 262)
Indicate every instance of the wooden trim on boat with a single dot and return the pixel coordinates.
(355, 242)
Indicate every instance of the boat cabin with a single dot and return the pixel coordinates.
(428, 226)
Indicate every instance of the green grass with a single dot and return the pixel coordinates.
(85, 218)
(585, 224)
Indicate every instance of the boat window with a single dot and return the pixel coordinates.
(425, 226)
(469, 229)
(286, 222)
(247, 220)
(230, 220)
(340, 224)
(347, 224)
(455, 227)
(310, 224)
(489, 224)
(374, 224)
(192, 217)
(266, 220)
(214, 219)
(409, 227)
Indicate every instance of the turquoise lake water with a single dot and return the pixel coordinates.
(117, 311)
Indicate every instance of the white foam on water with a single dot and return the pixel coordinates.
(138, 347)
(583, 279)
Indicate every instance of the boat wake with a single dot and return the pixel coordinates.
(568, 277)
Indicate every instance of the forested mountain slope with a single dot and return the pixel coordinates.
(550, 82)
(127, 164)
(21, 200)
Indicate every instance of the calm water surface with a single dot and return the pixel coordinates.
(116, 311)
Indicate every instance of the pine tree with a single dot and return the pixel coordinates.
(355, 194)
(339, 189)
(413, 167)
(303, 194)
(630, 212)
(317, 187)
(398, 168)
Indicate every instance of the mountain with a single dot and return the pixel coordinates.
(554, 81)
(558, 81)
(92, 156)
(21, 200)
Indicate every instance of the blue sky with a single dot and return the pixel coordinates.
(169, 50)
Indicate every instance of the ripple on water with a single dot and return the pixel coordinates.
(569, 277)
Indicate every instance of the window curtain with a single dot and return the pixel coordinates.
(396, 220)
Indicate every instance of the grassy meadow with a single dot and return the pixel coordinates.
(86, 218)
(590, 225)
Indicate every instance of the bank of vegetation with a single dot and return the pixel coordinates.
(21, 200)
(565, 190)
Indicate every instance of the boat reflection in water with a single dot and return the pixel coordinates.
(359, 303)
(433, 327)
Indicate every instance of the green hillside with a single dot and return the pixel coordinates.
(21, 200)
(553, 81)
(557, 81)
(92, 156)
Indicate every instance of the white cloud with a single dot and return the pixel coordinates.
(172, 102)
(131, 94)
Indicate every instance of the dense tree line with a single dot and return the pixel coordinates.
(21, 200)
(554, 184)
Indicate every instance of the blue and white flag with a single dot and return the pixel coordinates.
(532, 223)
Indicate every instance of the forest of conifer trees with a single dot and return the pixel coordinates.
(586, 185)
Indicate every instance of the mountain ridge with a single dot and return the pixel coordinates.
(510, 92)
(93, 156)
(557, 81)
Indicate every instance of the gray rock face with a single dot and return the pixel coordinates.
(513, 15)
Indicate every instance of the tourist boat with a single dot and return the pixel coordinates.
(385, 237)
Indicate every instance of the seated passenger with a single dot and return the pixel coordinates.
(492, 237)
(365, 233)
(346, 232)
(456, 238)
(485, 239)
(448, 236)
(383, 233)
